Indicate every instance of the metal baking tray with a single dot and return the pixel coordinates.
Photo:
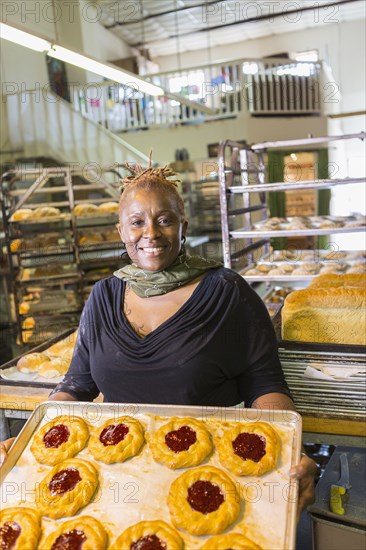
(136, 489)
(37, 349)
(49, 219)
(27, 275)
(317, 255)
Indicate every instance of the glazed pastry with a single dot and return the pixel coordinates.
(203, 501)
(46, 212)
(249, 448)
(85, 208)
(31, 362)
(117, 440)
(83, 532)
(252, 272)
(69, 486)
(180, 443)
(149, 534)
(59, 439)
(264, 268)
(109, 207)
(20, 528)
(22, 214)
(236, 541)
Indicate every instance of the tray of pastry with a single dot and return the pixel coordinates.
(49, 273)
(43, 214)
(332, 254)
(45, 244)
(44, 365)
(88, 210)
(99, 240)
(300, 270)
(305, 225)
(190, 474)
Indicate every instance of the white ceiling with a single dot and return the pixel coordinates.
(198, 24)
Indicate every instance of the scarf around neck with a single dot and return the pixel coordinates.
(154, 283)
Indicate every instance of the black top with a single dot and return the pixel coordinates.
(218, 349)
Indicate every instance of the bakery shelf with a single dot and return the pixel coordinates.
(290, 186)
(249, 233)
(50, 219)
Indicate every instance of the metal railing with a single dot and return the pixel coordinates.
(199, 94)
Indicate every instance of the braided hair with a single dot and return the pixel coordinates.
(152, 178)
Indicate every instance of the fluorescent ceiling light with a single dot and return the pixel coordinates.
(84, 62)
(23, 38)
(104, 69)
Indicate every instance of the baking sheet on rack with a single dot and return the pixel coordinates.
(29, 273)
(137, 489)
(48, 219)
(12, 373)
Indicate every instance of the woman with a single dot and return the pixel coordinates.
(170, 328)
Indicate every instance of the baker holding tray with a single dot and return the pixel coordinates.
(169, 328)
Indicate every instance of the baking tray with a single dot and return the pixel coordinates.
(27, 275)
(38, 349)
(136, 489)
(48, 219)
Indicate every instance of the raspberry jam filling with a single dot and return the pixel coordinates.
(205, 497)
(56, 436)
(64, 481)
(72, 540)
(150, 542)
(250, 446)
(181, 439)
(113, 434)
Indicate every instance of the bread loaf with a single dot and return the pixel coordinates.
(46, 212)
(31, 362)
(109, 207)
(326, 314)
(22, 214)
(85, 208)
(336, 281)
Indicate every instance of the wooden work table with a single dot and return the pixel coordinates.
(19, 401)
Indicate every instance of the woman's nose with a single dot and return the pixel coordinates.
(151, 230)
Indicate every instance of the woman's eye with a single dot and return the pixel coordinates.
(136, 223)
(164, 221)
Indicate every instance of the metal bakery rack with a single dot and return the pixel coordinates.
(242, 172)
(54, 260)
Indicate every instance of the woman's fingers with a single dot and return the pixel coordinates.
(4, 448)
(305, 472)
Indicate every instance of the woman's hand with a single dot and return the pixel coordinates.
(305, 473)
(4, 448)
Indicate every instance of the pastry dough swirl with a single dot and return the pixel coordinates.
(193, 455)
(85, 529)
(76, 440)
(200, 523)
(21, 527)
(55, 503)
(152, 529)
(247, 467)
(130, 445)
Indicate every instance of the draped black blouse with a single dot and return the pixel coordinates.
(218, 349)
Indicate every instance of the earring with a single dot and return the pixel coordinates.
(183, 239)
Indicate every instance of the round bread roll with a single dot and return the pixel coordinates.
(31, 362)
(46, 212)
(252, 273)
(22, 214)
(85, 208)
(264, 268)
(109, 207)
(57, 366)
(60, 349)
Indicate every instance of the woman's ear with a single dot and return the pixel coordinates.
(184, 227)
(119, 229)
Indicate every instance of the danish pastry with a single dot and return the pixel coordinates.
(59, 439)
(236, 541)
(83, 532)
(31, 362)
(69, 486)
(109, 207)
(249, 449)
(203, 501)
(180, 443)
(117, 440)
(149, 534)
(20, 528)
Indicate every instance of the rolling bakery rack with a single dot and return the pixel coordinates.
(54, 260)
(242, 172)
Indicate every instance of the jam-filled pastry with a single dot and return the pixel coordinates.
(20, 528)
(234, 541)
(116, 440)
(181, 442)
(203, 501)
(68, 487)
(59, 439)
(83, 532)
(149, 535)
(249, 448)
